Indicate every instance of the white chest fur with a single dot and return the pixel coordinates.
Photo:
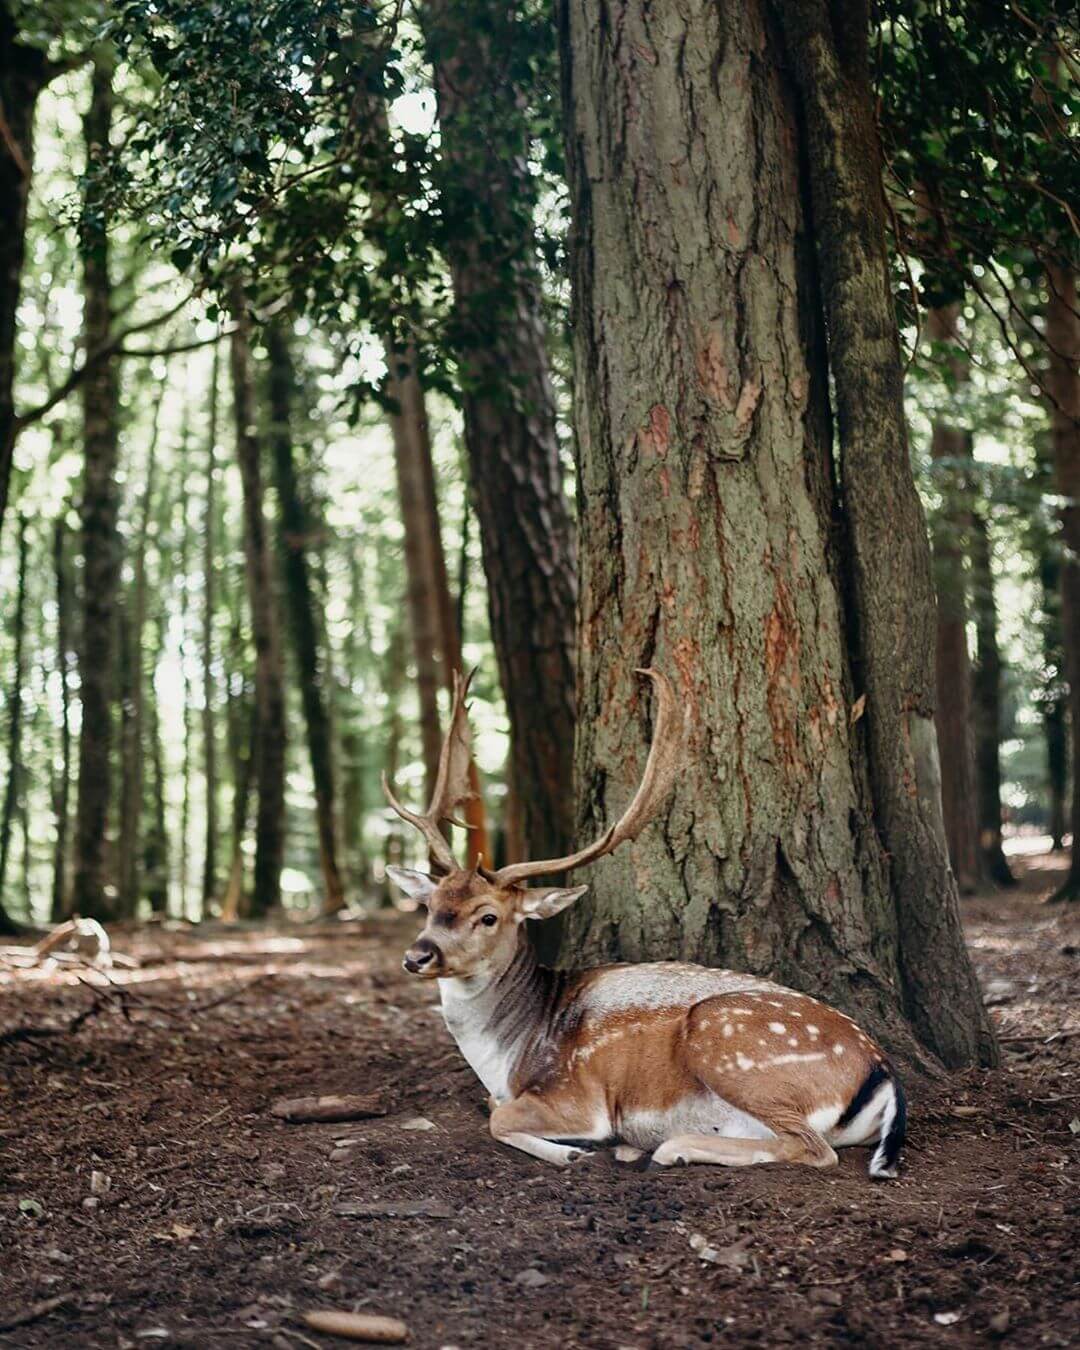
(467, 1017)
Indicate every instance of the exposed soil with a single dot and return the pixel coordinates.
(216, 1224)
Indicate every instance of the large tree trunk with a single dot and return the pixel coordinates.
(712, 541)
(101, 542)
(295, 530)
(14, 785)
(950, 450)
(62, 786)
(24, 72)
(526, 530)
(986, 704)
(1063, 340)
(269, 742)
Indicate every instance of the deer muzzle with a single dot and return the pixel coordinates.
(423, 957)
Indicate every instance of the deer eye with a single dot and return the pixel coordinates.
(490, 920)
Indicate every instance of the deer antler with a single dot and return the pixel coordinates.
(656, 782)
(451, 781)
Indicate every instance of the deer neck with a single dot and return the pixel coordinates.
(499, 1017)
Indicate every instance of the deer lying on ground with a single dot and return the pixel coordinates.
(686, 1063)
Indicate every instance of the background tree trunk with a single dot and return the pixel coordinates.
(526, 530)
(269, 739)
(986, 704)
(711, 544)
(134, 696)
(14, 787)
(1054, 695)
(62, 789)
(295, 531)
(1063, 340)
(951, 451)
(209, 560)
(24, 72)
(436, 641)
(156, 851)
(101, 543)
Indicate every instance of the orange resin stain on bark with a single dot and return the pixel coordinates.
(655, 436)
(713, 373)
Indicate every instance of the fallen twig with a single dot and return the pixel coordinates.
(305, 1110)
(34, 1313)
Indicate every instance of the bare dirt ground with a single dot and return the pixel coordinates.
(212, 1224)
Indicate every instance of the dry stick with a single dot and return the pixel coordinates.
(35, 1312)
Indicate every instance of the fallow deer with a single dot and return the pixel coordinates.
(686, 1063)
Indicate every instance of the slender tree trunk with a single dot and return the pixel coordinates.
(209, 730)
(184, 561)
(269, 744)
(713, 543)
(393, 683)
(24, 72)
(241, 725)
(156, 853)
(412, 444)
(950, 449)
(1063, 340)
(62, 787)
(352, 744)
(986, 704)
(133, 729)
(14, 785)
(526, 530)
(436, 641)
(101, 543)
(295, 531)
(1054, 695)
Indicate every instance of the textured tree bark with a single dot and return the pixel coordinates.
(101, 542)
(14, 787)
(889, 557)
(209, 729)
(950, 450)
(1063, 341)
(526, 530)
(295, 529)
(986, 704)
(713, 543)
(58, 910)
(24, 72)
(270, 737)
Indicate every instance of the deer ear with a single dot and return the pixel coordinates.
(416, 885)
(543, 902)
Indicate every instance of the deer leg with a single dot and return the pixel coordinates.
(535, 1125)
(802, 1145)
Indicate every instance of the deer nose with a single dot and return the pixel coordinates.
(420, 955)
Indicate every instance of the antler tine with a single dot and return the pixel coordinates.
(451, 780)
(656, 782)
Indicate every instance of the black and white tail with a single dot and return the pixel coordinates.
(879, 1105)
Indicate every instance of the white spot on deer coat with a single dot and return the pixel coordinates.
(778, 1028)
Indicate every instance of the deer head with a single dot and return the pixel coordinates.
(473, 915)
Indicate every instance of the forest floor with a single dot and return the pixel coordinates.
(211, 1223)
